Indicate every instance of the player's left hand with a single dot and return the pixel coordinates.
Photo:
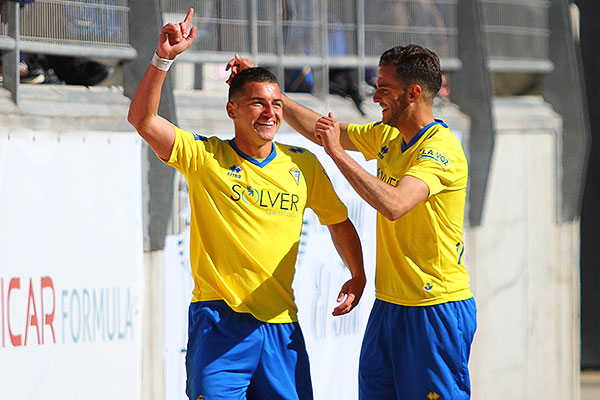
(175, 37)
(350, 295)
(327, 130)
(237, 64)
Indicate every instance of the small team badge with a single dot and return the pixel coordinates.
(295, 174)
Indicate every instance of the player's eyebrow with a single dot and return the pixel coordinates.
(263, 99)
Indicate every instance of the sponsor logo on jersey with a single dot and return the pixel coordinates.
(430, 153)
(295, 172)
(390, 180)
(428, 286)
(268, 199)
(249, 195)
(297, 150)
(234, 171)
(384, 150)
(433, 396)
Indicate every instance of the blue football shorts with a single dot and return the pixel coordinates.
(417, 352)
(233, 355)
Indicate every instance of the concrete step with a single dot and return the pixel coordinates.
(590, 385)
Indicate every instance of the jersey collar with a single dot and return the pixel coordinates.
(253, 160)
(416, 138)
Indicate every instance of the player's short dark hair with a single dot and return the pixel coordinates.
(255, 74)
(415, 65)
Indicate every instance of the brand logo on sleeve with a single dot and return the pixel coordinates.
(198, 137)
(297, 150)
(433, 154)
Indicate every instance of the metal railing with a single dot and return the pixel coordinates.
(84, 22)
(84, 28)
(315, 32)
(432, 24)
(517, 35)
(74, 27)
(292, 33)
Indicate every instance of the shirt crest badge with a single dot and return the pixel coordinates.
(295, 172)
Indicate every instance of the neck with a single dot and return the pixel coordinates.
(410, 126)
(253, 149)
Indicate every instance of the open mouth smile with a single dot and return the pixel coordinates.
(270, 123)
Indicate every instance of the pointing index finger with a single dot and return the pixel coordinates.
(188, 17)
(187, 21)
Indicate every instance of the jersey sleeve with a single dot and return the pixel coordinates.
(188, 151)
(367, 138)
(440, 164)
(323, 199)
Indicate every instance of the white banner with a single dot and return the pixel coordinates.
(71, 257)
(333, 342)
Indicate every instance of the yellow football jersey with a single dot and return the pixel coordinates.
(420, 255)
(247, 218)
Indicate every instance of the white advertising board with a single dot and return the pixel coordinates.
(71, 257)
(333, 342)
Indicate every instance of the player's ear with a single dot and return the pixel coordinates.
(414, 92)
(231, 110)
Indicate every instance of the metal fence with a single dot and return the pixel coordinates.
(337, 32)
(517, 34)
(82, 22)
(73, 27)
(432, 24)
(292, 33)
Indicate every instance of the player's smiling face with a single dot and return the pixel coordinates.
(257, 112)
(390, 95)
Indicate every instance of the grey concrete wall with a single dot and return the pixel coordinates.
(524, 264)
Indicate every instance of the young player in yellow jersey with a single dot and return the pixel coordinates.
(248, 195)
(418, 338)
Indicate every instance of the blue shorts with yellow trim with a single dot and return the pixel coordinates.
(417, 352)
(234, 356)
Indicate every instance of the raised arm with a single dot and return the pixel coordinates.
(158, 132)
(303, 120)
(300, 118)
(347, 243)
(391, 201)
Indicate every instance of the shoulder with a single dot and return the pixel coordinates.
(373, 129)
(199, 139)
(374, 125)
(295, 152)
(300, 158)
(441, 136)
(443, 147)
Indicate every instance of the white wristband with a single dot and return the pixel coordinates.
(161, 63)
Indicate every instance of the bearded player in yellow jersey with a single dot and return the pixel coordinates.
(248, 195)
(418, 338)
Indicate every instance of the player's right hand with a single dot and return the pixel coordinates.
(236, 65)
(175, 39)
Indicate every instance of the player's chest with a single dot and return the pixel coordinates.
(393, 163)
(277, 186)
